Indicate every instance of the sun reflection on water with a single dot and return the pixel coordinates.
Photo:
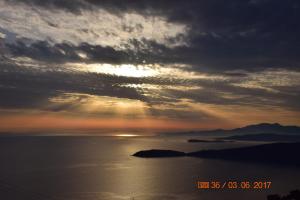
(126, 135)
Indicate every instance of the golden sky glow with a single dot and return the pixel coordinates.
(226, 117)
(45, 122)
(107, 66)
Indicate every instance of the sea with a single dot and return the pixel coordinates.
(103, 168)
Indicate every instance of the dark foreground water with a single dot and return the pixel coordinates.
(102, 168)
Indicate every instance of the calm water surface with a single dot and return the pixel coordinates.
(100, 168)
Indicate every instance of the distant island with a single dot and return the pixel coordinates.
(261, 128)
(264, 137)
(156, 153)
(275, 153)
(208, 141)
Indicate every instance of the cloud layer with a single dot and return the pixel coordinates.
(179, 60)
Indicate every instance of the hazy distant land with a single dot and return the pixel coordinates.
(209, 141)
(264, 137)
(262, 128)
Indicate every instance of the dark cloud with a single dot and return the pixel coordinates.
(223, 35)
(142, 51)
(27, 88)
(69, 5)
(218, 16)
(228, 93)
(207, 54)
(225, 38)
(67, 52)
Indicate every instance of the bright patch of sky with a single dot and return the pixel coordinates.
(95, 27)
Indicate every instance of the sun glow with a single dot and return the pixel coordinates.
(101, 105)
(126, 135)
(127, 70)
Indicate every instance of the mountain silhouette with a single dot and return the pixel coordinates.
(250, 129)
(264, 137)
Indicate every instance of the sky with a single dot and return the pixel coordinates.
(82, 65)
